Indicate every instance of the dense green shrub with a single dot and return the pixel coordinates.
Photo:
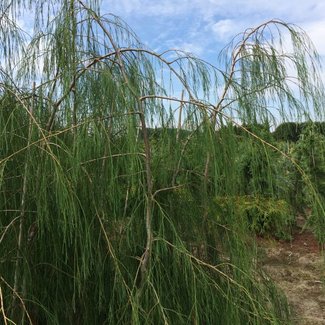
(291, 131)
(288, 131)
(262, 215)
(257, 166)
(309, 153)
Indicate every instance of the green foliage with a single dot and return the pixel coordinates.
(290, 131)
(262, 215)
(257, 166)
(309, 152)
(103, 221)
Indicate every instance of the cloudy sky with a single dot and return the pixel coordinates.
(203, 27)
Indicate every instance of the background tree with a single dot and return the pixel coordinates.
(309, 151)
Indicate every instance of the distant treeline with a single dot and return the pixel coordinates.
(291, 131)
(288, 131)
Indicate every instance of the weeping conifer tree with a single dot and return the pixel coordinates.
(104, 221)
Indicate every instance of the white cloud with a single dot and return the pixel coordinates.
(298, 11)
(225, 29)
(316, 31)
(204, 26)
(147, 7)
(191, 47)
(224, 18)
(294, 11)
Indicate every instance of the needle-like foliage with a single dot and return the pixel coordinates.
(110, 183)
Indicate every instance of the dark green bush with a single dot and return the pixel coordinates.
(263, 215)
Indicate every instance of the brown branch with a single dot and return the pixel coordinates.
(22, 216)
(148, 215)
(234, 60)
(114, 156)
(147, 253)
(206, 179)
(2, 310)
(9, 225)
(180, 117)
(19, 298)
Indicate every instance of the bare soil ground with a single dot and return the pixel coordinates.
(298, 268)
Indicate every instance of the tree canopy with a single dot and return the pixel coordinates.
(104, 221)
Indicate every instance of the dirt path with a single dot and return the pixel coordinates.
(298, 268)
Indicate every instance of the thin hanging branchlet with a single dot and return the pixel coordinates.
(74, 62)
(19, 277)
(307, 180)
(2, 309)
(18, 297)
(145, 259)
(239, 54)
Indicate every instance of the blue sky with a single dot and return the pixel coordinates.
(203, 27)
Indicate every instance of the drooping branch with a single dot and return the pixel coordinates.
(22, 240)
(145, 260)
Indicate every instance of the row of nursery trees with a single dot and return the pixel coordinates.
(104, 220)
